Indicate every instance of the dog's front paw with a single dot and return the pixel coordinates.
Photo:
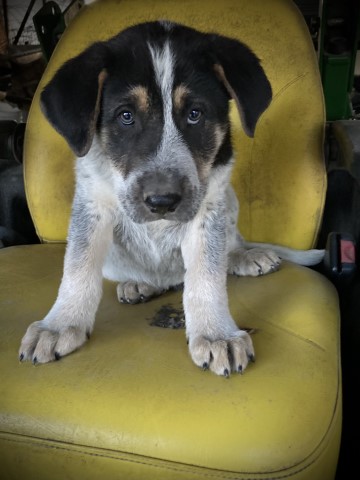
(42, 343)
(224, 355)
(134, 292)
(253, 262)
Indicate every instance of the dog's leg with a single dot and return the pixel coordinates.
(70, 321)
(215, 341)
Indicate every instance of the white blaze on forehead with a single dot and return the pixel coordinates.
(163, 62)
(167, 24)
(172, 152)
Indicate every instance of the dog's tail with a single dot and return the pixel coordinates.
(302, 257)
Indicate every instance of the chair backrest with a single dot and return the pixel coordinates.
(279, 175)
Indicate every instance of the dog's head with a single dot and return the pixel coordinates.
(156, 96)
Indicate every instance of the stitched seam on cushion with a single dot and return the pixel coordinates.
(251, 176)
(324, 182)
(250, 187)
(287, 85)
(186, 470)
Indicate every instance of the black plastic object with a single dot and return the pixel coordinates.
(340, 256)
(49, 25)
(11, 140)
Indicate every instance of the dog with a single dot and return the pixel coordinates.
(146, 114)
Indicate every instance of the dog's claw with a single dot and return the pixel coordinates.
(21, 357)
(240, 369)
(226, 373)
(260, 270)
(205, 366)
(251, 358)
(34, 362)
(57, 356)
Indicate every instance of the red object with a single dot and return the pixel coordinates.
(347, 251)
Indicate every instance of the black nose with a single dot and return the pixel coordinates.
(163, 203)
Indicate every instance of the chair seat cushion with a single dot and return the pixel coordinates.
(131, 404)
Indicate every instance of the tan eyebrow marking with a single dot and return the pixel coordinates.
(180, 93)
(141, 96)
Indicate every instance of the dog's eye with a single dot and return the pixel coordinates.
(126, 118)
(194, 117)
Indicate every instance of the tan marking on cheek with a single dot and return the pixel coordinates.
(117, 163)
(141, 97)
(219, 135)
(204, 162)
(180, 94)
(203, 167)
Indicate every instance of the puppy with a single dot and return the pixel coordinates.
(146, 113)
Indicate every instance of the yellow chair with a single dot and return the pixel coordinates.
(131, 404)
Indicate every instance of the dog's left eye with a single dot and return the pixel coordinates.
(194, 117)
(126, 118)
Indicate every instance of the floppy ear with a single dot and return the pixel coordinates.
(71, 100)
(239, 69)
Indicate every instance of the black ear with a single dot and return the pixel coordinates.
(71, 100)
(242, 75)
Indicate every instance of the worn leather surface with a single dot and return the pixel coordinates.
(131, 404)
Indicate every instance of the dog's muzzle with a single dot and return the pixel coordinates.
(162, 191)
(158, 195)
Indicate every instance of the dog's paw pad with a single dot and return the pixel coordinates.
(223, 356)
(133, 292)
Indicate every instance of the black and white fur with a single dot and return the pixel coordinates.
(146, 113)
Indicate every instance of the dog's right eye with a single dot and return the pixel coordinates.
(126, 118)
(194, 116)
